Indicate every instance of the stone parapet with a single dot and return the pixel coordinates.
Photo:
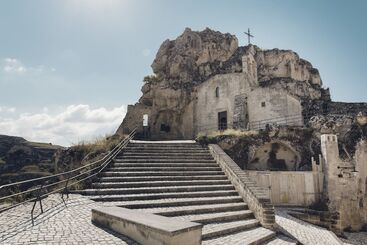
(146, 228)
(257, 198)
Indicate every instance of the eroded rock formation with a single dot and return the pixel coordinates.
(196, 56)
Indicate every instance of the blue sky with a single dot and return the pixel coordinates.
(80, 62)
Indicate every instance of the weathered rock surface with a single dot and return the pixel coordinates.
(194, 57)
(178, 60)
(21, 159)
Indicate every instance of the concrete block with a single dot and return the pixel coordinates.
(148, 228)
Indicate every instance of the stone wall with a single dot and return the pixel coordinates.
(266, 105)
(290, 188)
(256, 197)
(345, 183)
(208, 105)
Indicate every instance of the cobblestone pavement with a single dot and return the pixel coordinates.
(71, 224)
(304, 232)
(357, 238)
(59, 224)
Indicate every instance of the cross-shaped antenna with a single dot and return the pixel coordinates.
(249, 36)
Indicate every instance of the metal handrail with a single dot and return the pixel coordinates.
(102, 164)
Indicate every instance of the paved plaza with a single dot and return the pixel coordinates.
(71, 224)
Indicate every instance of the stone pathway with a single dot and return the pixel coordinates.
(59, 224)
(70, 224)
(304, 232)
(356, 238)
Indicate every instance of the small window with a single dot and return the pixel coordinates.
(262, 104)
(217, 92)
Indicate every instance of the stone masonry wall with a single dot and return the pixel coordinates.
(345, 184)
(256, 197)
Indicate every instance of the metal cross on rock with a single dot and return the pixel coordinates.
(249, 36)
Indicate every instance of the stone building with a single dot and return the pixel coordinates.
(204, 82)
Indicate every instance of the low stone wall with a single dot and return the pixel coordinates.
(256, 197)
(290, 187)
(146, 228)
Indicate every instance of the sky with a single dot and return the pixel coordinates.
(69, 68)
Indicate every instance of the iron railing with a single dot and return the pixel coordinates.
(292, 120)
(61, 182)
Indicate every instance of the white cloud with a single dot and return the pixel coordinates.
(74, 124)
(6, 109)
(15, 66)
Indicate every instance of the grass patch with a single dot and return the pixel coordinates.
(215, 136)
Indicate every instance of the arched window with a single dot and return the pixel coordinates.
(217, 92)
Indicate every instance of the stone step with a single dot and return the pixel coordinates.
(158, 183)
(162, 178)
(174, 202)
(165, 189)
(160, 150)
(281, 240)
(179, 146)
(197, 209)
(164, 165)
(253, 236)
(168, 154)
(218, 217)
(156, 196)
(161, 160)
(183, 156)
(156, 147)
(163, 143)
(225, 228)
(163, 169)
(143, 228)
(160, 173)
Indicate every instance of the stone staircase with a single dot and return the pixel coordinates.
(183, 181)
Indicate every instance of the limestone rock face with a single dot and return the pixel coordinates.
(178, 60)
(277, 63)
(195, 57)
(21, 159)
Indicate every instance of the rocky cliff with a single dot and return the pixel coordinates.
(196, 56)
(21, 159)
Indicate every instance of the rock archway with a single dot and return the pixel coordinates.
(275, 155)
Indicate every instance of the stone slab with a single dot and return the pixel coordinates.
(148, 228)
(163, 142)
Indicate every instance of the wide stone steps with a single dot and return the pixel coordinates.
(175, 202)
(253, 236)
(162, 178)
(155, 196)
(281, 240)
(160, 173)
(183, 156)
(192, 145)
(161, 150)
(197, 209)
(166, 154)
(167, 160)
(156, 147)
(158, 183)
(218, 229)
(182, 181)
(164, 165)
(165, 189)
(218, 216)
(166, 169)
